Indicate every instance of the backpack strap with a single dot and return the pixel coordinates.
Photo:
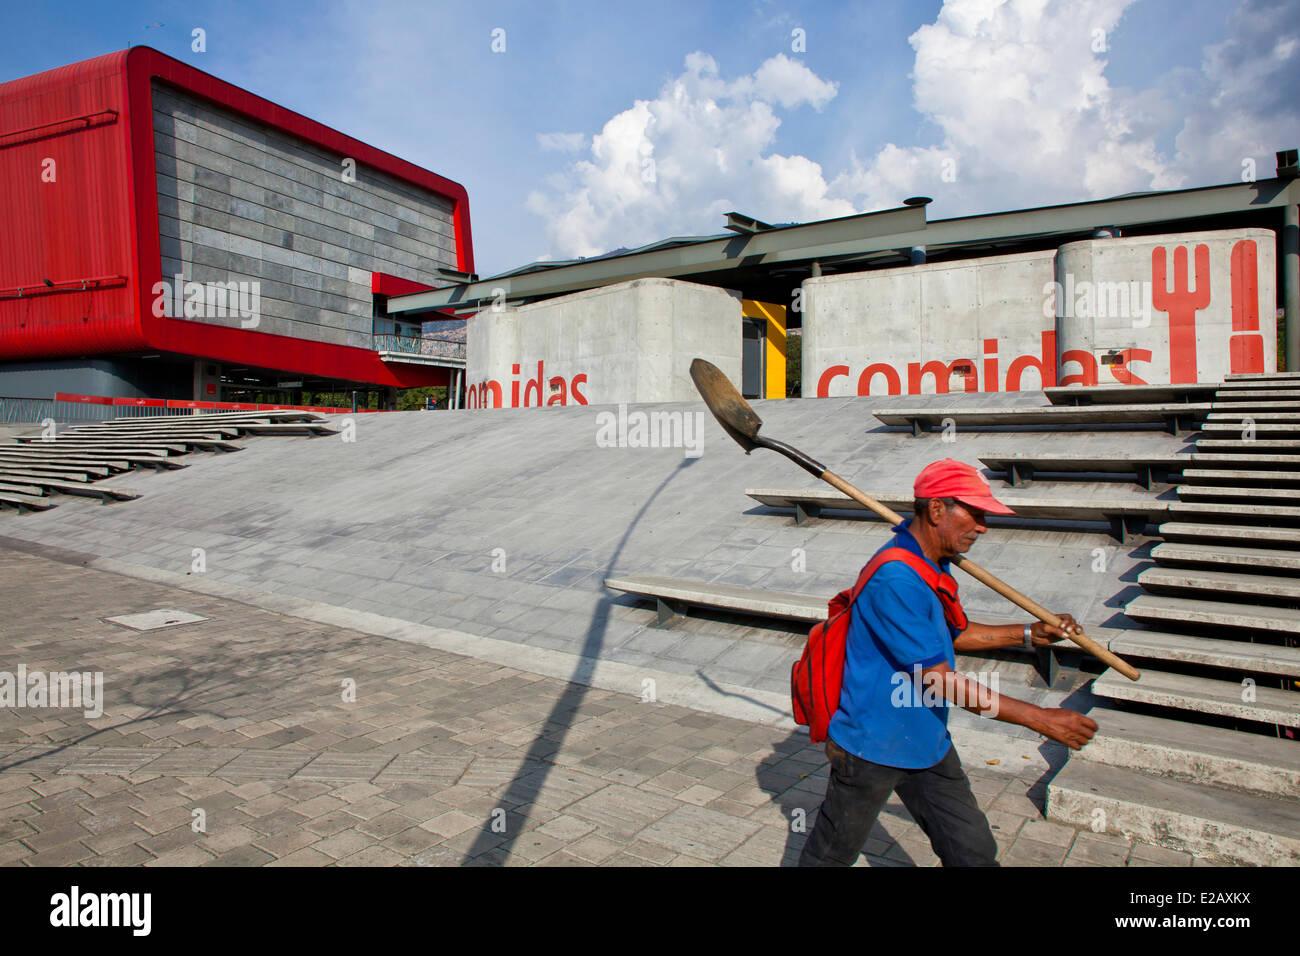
(943, 585)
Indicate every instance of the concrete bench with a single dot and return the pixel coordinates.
(1124, 516)
(155, 441)
(214, 418)
(1273, 560)
(152, 434)
(1173, 416)
(104, 493)
(24, 503)
(1128, 394)
(310, 429)
(107, 466)
(673, 596)
(84, 473)
(18, 487)
(1021, 467)
(78, 444)
(52, 452)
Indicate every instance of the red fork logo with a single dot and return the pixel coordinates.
(1245, 345)
(1181, 303)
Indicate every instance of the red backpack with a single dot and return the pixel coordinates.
(817, 676)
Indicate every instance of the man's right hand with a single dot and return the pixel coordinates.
(1065, 726)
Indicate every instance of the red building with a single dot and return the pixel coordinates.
(167, 234)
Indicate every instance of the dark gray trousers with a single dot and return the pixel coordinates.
(939, 798)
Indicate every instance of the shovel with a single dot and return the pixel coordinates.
(740, 422)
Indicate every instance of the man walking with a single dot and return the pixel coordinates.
(886, 738)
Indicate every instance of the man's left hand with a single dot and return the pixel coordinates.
(1044, 634)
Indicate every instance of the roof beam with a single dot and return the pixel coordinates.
(745, 225)
(784, 244)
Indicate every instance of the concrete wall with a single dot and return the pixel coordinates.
(1166, 306)
(631, 342)
(1089, 313)
(892, 322)
(242, 202)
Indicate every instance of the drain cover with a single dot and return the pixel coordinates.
(153, 620)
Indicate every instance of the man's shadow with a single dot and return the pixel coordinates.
(798, 788)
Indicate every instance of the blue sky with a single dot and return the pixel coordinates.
(613, 124)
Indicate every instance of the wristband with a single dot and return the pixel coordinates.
(1029, 636)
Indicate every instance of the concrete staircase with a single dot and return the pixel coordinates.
(76, 459)
(1204, 761)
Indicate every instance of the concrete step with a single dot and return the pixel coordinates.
(1230, 493)
(1269, 377)
(1252, 392)
(24, 502)
(81, 474)
(105, 493)
(1257, 408)
(1212, 476)
(1195, 752)
(1276, 446)
(1219, 584)
(1230, 510)
(1212, 652)
(16, 487)
(1238, 534)
(1214, 824)
(1203, 695)
(1129, 394)
(1170, 415)
(1236, 411)
(1268, 560)
(1175, 611)
(1222, 429)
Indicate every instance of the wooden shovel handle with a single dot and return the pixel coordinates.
(984, 577)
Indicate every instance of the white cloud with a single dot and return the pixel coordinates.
(562, 142)
(1017, 91)
(675, 164)
(1026, 114)
(1248, 95)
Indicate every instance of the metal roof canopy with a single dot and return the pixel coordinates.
(855, 240)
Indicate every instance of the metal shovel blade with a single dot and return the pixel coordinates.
(727, 405)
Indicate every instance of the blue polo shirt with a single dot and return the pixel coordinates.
(896, 627)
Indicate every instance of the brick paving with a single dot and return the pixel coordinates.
(238, 741)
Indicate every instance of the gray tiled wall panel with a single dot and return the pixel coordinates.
(240, 202)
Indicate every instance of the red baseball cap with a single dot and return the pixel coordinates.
(950, 478)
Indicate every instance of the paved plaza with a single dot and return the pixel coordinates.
(229, 741)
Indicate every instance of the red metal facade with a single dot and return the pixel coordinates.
(78, 191)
